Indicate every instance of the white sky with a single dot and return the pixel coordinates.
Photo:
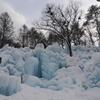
(26, 11)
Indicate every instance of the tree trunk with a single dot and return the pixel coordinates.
(68, 41)
(70, 50)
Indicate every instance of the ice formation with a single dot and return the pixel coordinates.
(9, 84)
(50, 68)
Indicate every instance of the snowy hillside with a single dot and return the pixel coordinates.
(50, 74)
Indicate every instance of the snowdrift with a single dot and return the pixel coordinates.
(50, 68)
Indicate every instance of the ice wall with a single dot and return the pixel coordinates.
(40, 62)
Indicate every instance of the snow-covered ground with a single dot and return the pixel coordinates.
(31, 93)
(50, 74)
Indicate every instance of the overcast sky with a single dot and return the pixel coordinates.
(26, 11)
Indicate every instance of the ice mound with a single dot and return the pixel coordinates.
(32, 81)
(54, 48)
(49, 61)
(40, 45)
(66, 78)
(92, 72)
(9, 84)
(87, 48)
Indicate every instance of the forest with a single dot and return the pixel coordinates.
(64, 25)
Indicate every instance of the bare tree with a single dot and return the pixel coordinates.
(23, 36)
(59, 20)
(53, 38)
(89, 32)
(93, 21)
(78, 33)
(35, 37)
(6, 28)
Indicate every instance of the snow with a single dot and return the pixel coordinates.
(50, 74)
(31, 93)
